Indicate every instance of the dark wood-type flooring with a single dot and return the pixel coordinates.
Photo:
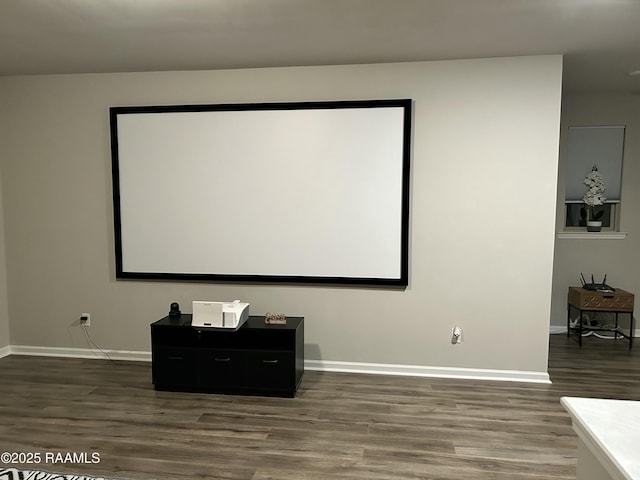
(340, 426)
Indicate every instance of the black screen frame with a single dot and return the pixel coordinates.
(400, 281)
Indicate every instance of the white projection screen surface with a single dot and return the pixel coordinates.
(312, 192)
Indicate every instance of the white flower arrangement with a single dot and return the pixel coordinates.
(595, 193)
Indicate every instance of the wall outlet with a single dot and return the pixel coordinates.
(85, 319)
(456, 335)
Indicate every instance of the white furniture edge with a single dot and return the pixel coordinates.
(591, 441)
(311, 365)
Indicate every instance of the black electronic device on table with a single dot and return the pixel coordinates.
(596, 287)
(174, 310)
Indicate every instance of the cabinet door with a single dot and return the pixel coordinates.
(175, 367)
(221, 368)
(271, 370)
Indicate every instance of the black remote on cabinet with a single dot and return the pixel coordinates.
(255, 359)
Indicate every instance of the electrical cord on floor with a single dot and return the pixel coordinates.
(90, 340)
(599, 335)
(588, 333)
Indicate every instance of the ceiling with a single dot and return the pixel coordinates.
(599, 38)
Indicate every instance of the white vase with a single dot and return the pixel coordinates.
(594, 225)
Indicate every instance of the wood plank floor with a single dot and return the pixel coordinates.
(340, 426)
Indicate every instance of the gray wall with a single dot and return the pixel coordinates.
(482, 216)
(617, 258)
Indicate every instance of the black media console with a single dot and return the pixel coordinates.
(256, 359)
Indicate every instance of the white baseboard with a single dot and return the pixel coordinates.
(80, 353)
(5, 351)
(421, 371)
(557, 329)
(316, 365)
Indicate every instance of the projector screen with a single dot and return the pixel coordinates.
(312, 192)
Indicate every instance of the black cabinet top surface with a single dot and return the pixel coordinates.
(254, 322)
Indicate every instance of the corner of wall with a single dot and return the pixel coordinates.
(4, 311)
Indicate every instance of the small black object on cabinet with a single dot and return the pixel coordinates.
(255, 359)
(174, 310)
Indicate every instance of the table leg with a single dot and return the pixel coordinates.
(580, 328)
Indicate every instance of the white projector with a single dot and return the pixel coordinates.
(219, 314)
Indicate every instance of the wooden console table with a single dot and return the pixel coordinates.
(616, 302)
